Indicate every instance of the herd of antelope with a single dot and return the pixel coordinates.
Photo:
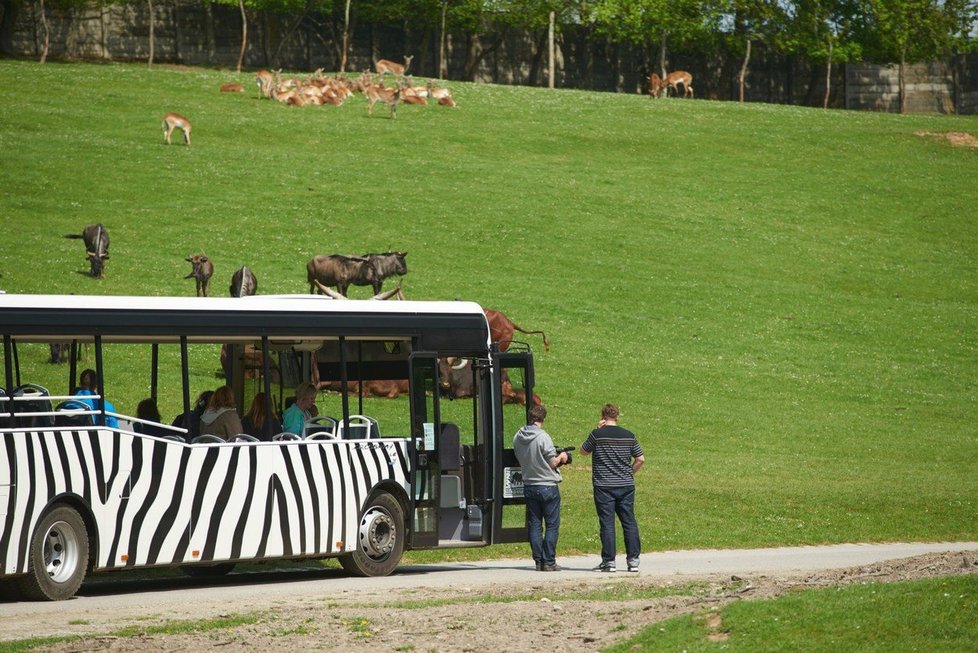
(319, 89)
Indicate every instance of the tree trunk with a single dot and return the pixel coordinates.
(47, 35)
(536, 63)
(8, 21)
(209, 30)
(828, 78)
(152, 40)
(346, 36)
(662, 54)
(903, 79)
(244, 34)
(743, 71)
(442, 64)
(550, 50)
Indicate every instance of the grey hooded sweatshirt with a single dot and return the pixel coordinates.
(534, 449)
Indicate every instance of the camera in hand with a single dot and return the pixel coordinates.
(568, 451)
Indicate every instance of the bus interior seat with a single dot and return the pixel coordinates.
(5, 418)
(175, 438)
(243, 437)
(207, 438)
(449, 451)
(37, 404)
(68, 418)
(361, 427)
(319, 424)
(285, 436)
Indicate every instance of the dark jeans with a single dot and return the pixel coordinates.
(543, 505)
(611, 501)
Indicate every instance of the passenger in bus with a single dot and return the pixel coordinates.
(191, 419)
(88, 387)
(221, 417)
(254, 421)
(294, 420)
(148, 411)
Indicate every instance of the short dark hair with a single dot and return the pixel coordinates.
(610, 411)
(537, 414)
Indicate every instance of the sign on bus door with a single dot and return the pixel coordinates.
(425, 432)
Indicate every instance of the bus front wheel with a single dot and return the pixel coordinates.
(58, 557)
(380, 539)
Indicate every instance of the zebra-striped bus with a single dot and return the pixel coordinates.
(87, 489)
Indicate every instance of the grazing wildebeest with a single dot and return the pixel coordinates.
(457, 382)
(202, 272)
(386, 265)
(59, 352)
(340, 271)
(97, 244)
(244, 283)
(501, 329)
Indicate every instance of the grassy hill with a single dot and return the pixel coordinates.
(784, 301)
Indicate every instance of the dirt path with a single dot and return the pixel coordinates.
(553, 612)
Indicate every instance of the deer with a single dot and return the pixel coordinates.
(265, 79)
(382, 94)
(413, 94)
(232, 87)
(392, 67)
(173, 121)
(657, 85)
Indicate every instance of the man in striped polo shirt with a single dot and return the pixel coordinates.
(617, 456)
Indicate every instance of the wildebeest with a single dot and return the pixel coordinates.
(386, 265)
(340, 271)
(457, 382)
(244, 283)
(97, 244)
(202, 272)
(59, 352)
(501, 329)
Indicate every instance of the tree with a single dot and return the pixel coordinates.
(9, 11)
(752, 20)
(822, 31)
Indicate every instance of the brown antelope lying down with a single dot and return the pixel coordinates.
(658, 86)
(173, 121)
(232, 87)
(443, 95)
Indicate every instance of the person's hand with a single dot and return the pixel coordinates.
(602, 422)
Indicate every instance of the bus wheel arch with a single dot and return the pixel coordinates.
(58, 554)
(381, 536)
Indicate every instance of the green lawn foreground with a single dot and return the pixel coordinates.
(934, 614)
(783, 300)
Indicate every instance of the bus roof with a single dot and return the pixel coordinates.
(442, 325)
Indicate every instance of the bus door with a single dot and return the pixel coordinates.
(425, 469)
(512, 377)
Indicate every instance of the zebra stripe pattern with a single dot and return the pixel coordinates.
(158, 502)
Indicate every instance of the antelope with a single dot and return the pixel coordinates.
(383, 94)
(232, 87)
(396, 69)
(658, 86)
(173, 121)
(413, 94)
(265, 80)
(443, 95)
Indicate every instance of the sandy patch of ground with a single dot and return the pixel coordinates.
(548, 614)
(956, 139)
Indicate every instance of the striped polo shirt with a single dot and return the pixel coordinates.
(612, 449)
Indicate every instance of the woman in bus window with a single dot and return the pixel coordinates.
(221, 417)
(254, 421)
(294, 420)
(88, 387)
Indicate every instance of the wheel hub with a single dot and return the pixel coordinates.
(60, 552)
(378, 533)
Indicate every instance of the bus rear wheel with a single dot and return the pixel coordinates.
(58, 557)
(380, 539)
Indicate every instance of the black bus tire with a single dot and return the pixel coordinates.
(58, 557)
(208, 571)
(380, 539)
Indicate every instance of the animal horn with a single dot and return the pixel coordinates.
(329, 292)
(462, 365)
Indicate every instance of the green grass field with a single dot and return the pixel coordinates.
(783, 300)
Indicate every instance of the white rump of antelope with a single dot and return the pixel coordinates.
(658, 86)
(173, 121)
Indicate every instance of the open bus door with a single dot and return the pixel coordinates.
(425, 467)
(509, 513)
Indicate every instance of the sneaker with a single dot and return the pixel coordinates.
(608, 567)
(633, 568)
(539, 566)
(553, 567)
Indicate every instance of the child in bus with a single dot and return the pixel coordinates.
(294, 420)
(221, 417)
(254, 421)
(88, 387)
(191, 419)
(148, 411)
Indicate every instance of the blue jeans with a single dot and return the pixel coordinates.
(611, 501)
(543, 505)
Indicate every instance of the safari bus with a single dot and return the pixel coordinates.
(85, 489)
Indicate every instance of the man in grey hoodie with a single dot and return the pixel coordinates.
(539, 459)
